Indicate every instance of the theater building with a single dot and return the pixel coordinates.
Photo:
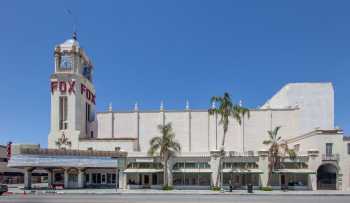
(110, 148)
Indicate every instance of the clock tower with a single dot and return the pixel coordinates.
(73, 96)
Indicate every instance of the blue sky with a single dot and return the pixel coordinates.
(148, 51)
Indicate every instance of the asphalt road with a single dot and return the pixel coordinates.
(172, 198)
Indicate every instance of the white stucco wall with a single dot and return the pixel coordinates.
(315, 100)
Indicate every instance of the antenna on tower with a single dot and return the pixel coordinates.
(74, 20)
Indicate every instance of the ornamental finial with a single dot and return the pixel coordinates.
(187, 105)
(110, 108)
(136, 107)
(161, 105)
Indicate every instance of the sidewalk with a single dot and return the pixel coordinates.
(18, 190)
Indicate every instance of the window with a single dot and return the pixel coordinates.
(63, 112)
(103, 178)
(297, 147)
(94, 178)
(66, 62)
(190, 165)
(59, 177)
(89, 148)
(111, 178)
(117, 149)
(348, 148)
(180, 165)
(87, 72)
(87, 177)
(88, 117)
(329, 149)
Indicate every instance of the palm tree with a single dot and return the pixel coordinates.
(166, 146)
(226, 110)
(277, 150)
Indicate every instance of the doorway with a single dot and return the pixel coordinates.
(327, 177)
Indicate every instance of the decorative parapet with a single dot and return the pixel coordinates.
(69, 152)
(246, 153)
(242, 159)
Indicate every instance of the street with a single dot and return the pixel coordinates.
(172, 198)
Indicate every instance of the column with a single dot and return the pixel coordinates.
(81, 175)
(122, 177)
(188, 112)
(66, 185)
(137, 118)
(312, 182)
(313, 164)
(28, 178)
(122, 180)
(264, 167)
(49, 178)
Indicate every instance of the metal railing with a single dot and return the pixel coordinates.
(330, 157)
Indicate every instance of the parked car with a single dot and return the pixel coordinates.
(3, 189)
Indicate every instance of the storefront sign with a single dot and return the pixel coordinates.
(69, 86)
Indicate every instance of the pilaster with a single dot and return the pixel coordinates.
(65, 176)
(28, 178)
(313, 165)
(264, 167)
(81, 178)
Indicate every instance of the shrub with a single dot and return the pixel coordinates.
(215, 188)
(266, 188)
(167, 187)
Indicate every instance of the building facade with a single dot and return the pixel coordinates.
(305, 112)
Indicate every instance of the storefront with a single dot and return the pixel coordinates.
(143, 174)
(69, 168)
(191, 175)
(291, 179)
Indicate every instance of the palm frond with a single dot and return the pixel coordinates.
(267, 142)
(292, 154)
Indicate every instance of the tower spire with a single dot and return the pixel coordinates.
(75, 35)
(74, 24)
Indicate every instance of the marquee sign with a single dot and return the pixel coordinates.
(70, 86)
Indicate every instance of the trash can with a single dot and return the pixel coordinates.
(250, 188)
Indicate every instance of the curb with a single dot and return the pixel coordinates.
(184, 193)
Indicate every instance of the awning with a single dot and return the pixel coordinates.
(294, 171)
(143, 170)
(43, 161)
(241, 171)
(192, 170)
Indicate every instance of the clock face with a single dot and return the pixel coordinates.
(66, 62)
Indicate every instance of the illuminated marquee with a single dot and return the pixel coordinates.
(69, 86)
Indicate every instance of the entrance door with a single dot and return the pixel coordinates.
(283, 182)
(327, 177)
(72, 180)
(103, 179)
(146, 180)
